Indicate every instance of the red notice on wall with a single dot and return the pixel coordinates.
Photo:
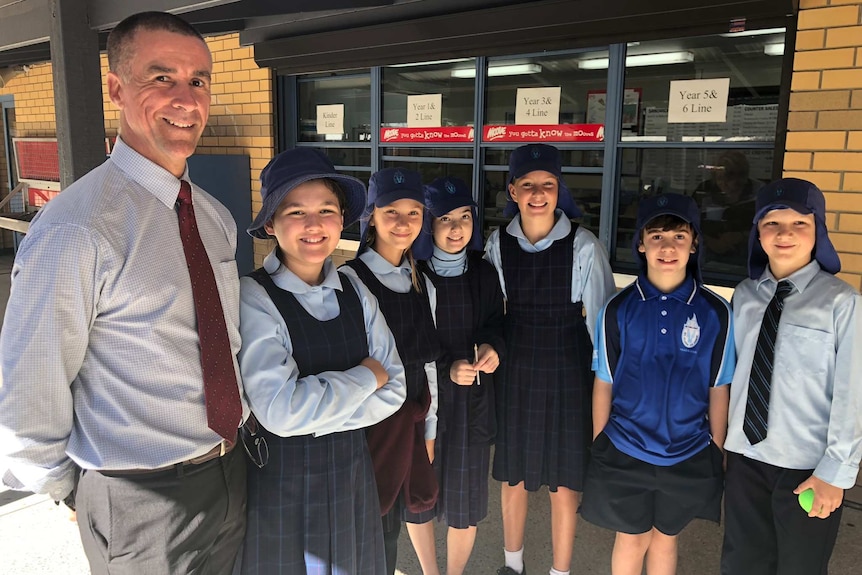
(436, 135)
(545, 133)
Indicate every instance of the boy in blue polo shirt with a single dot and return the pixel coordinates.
(796, 400)
(663, 357)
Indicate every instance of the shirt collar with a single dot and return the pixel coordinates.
(446, 264)
(800, 278)
(149, 175)
(684, 293)
(379, 266)
(291, 282)
(561, 228)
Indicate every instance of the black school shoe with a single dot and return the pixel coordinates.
(506, 570)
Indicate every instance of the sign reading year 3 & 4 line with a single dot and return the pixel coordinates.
(698, 101)
(537, 106)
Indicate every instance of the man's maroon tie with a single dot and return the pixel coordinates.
(220, 387)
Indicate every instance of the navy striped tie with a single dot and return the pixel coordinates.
(760, 379)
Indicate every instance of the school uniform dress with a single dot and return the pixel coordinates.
(404, 475)
(662, 353)
(544, 399)
(813, 426)
(467, 304)
(313, 508)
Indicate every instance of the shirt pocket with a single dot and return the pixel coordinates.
(803, 353)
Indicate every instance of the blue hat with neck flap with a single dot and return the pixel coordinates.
(441, 197)
(683, 207)
(530, 158)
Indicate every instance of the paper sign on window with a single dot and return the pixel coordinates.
(538, 106)
(423, 111)
(698, 101)
(330, 119)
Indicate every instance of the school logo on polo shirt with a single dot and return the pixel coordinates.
(691, 332)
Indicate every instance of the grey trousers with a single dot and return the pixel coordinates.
(167, 523)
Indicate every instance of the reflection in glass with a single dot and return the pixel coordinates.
(752, 100)
(457, 91)
(354, 91)
(358, 157)
(577, 87)
(722, 182)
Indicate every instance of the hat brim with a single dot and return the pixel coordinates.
(796, 206)
(354, 197)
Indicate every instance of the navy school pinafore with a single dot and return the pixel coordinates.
(409, 318)
(544, 396)
(313, 509)
(463, 449)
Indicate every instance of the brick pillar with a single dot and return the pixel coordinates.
(824, 128)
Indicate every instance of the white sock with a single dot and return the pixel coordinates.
(555, 572)
(515, 559)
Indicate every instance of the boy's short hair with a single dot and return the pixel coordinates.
(667, 223)
(666, 210)
(803, 197)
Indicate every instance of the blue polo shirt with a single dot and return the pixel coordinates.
(662, 352)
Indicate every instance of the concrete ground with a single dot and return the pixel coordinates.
(36, 537)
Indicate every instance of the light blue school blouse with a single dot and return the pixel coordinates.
(397, 278)
(592, 278)
(327, 402)
(815, 406)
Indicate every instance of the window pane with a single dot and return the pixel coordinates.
(752, 99)
(353, 91)
(456, 153)
(577, 88)
(457, 91)
(722, 182)
(358, 157)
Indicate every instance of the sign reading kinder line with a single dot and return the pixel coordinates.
(444, 134)
(545, 133)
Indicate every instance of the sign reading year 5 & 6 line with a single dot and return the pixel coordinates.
(698, 101)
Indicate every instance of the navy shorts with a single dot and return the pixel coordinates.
(627, 495)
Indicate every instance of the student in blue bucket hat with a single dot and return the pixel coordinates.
(797, 427)
(319, 365)
(402, 446)
(556, 277)
(467, 304)
(664, 356)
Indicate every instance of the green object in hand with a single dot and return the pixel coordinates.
(806, 500)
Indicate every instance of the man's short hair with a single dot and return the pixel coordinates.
(121, 38)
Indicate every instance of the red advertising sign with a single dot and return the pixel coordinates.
(444, 134)
(549, 133)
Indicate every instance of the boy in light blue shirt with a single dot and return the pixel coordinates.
(796, 399)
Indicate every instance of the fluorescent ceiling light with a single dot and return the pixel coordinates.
(774, 49)
(640, 60)
(760, 32)
(502, 70)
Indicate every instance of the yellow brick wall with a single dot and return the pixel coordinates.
(824, 138)
(241, 113)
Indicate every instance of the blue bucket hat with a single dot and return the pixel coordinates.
(386, 186)
(803, 197)
(530, 158)
(294, 167)
(441, 197)
(683, 207)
